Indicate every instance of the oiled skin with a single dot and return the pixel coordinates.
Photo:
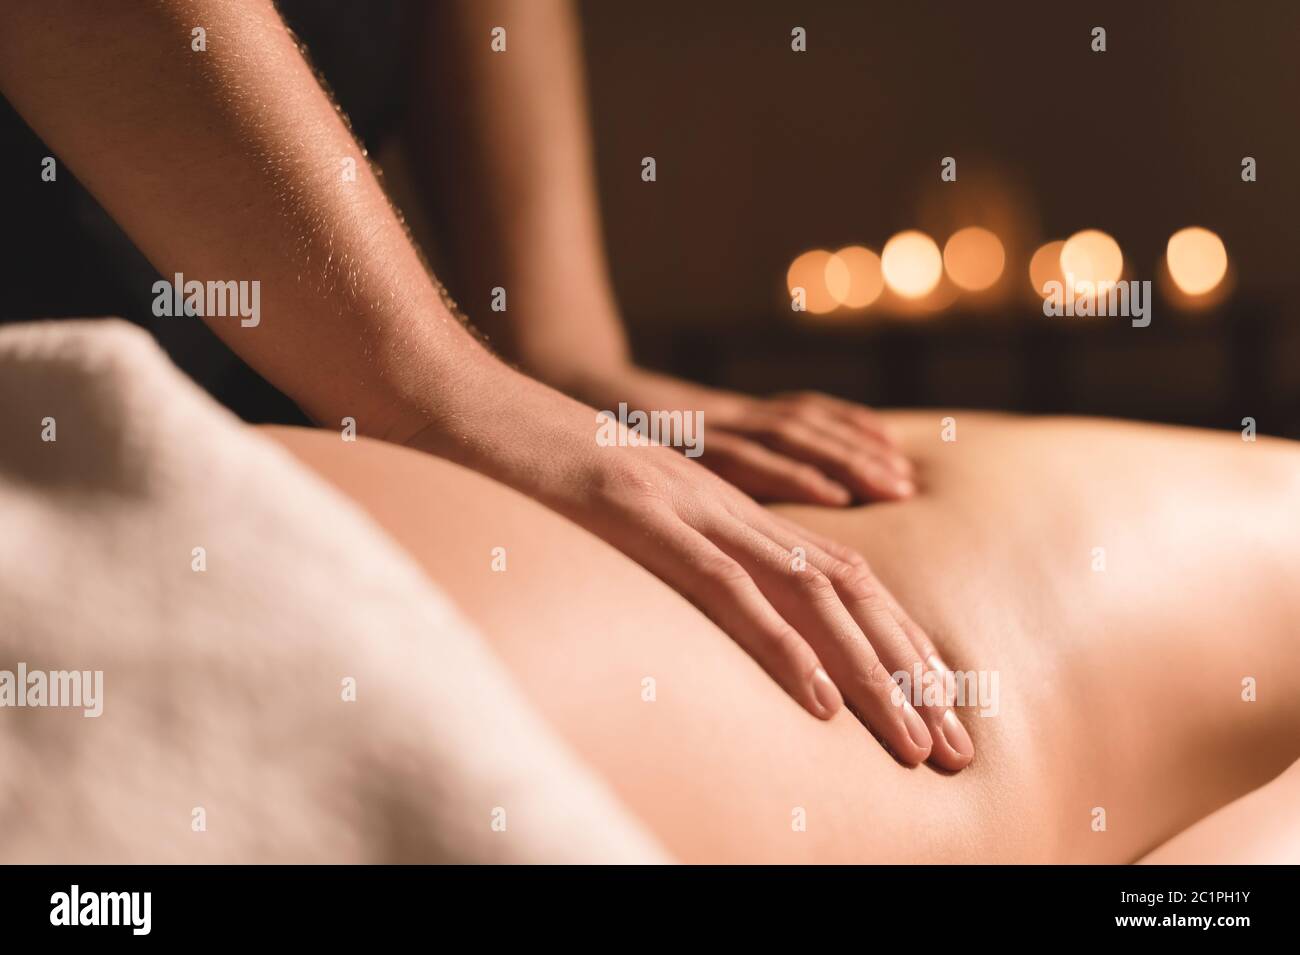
(1120, 688)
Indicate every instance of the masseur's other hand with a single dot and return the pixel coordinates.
(808, 448)
(809, 611)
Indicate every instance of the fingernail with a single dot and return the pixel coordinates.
(904, 488)
(936, 663)
(916, 727)
(956, 735)
(824, 691)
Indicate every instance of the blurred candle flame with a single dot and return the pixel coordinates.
(911, 264)
(1196, 259)
(974, 258)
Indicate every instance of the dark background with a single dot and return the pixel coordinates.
(763, 153)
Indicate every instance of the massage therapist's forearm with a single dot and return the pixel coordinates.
(507, 158)
(229, 164)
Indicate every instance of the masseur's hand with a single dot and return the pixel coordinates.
(354, 327)
(807, 448)
(811, 613)
(533, 228)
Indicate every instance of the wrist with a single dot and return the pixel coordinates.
(602, 384)
(515, 430)
(646, 390)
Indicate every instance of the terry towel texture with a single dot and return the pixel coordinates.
(225, 735)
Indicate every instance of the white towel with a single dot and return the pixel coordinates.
(226, 734)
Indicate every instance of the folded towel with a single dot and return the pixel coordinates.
(274, 679)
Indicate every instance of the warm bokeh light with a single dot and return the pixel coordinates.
(815, 272)
(974, 258)
(911, 264)
(1045, 266)
(1196, 259)
(1091, 257)
(837, 278)
(865, 282)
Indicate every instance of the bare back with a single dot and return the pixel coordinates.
(1121, 581)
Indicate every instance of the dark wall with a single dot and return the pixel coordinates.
(763, 153)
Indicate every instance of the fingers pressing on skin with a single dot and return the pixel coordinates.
(953, 748)
(859, 416)
(821, 626)
(856, 443)
(722, 587)
(806, 597)
(769, 476)
(830, 423)
(864, 470)
(810, 448)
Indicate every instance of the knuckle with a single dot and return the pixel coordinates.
(720, 570)
(623, 486)
(878, 680)
(856, 583)
(646, 489)
(816, 586)
(856, 561)
(786, 641)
